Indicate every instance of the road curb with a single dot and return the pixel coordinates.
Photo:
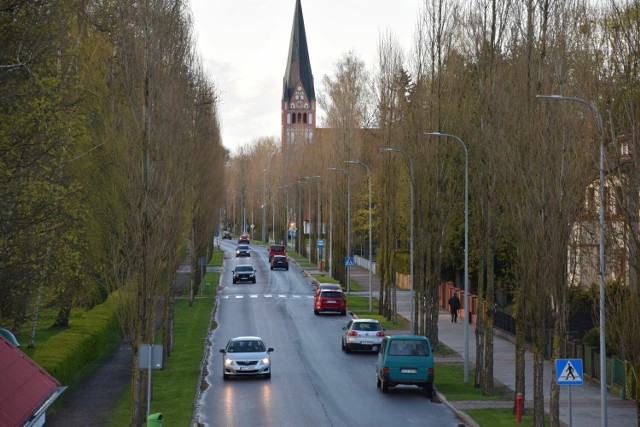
(461, 414)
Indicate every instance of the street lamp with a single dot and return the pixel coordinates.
(466, 249)
(318, 178)
(348, 224)
(603, 354)
(370, 257)
(408, 158)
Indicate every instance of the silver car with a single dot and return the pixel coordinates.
(246, 356)
(362, 334)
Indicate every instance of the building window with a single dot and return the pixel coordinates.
(310, 118)
(288, 118)
(304, 118)
(299, 117)
(294, 118)
(293, 105)
(306, 106)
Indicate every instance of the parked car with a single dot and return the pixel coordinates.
(243, 250)
(330, 301)
(328, 287)
(244, 273)
(244, 238)
(246, 356)
(405, 359)
(277, 250)
(362, 334)
(226, 235)
(280, 261)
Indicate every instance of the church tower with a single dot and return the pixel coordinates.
(298, 93)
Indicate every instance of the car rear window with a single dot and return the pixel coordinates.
(367, 326)
(280, 258)
(331, 294)
(408, 348)
(277, 248)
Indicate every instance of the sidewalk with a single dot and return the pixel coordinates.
(585, 399)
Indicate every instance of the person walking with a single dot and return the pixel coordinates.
(454, 306)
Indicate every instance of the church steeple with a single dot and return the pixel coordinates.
(298, 93)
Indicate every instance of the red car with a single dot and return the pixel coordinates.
(328, 287)
(277, 250)
(330, 301)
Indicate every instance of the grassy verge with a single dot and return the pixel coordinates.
(174, 387)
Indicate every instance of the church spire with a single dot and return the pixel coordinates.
(298, 64)
(298, 93)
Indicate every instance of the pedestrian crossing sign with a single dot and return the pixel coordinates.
(348, 261)
(569, 371)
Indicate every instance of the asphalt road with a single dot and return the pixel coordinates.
(313, 382)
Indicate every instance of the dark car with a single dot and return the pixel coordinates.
(243, 250)
(244, 239)
(244, 273)
(226, 235)
(280, 261)
(330, 301)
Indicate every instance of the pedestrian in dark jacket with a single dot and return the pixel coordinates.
(454, 306)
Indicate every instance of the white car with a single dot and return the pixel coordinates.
(246, 356)
(362, 334)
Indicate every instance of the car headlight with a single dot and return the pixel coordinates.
(228, 362)
(265, 360)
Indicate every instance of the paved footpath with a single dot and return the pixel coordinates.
(585, 399)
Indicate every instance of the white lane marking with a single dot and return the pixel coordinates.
(268, 296)
(239, 296)
(253, 296)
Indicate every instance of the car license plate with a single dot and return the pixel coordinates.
(246, 368)
(331, 301)
(409, 371)
(367, 343)
(374, 348)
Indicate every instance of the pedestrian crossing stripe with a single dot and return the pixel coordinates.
(253, 296)
(569, 371)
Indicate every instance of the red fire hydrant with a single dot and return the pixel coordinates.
(519, 408)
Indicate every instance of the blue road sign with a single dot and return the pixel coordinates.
(569, 371)
(320, 243)
(348, 261)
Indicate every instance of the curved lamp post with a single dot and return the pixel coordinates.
(603, 354)
(370, 258)
(466, 249)
(348, 224)
(410, 163)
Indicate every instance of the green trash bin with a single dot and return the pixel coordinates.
(207, 288)
(154, 420)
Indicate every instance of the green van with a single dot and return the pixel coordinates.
(405, 359)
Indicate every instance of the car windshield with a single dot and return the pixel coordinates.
(331, 294)
(244, 268)
(243, 247)
(367, 326)
(248, 346)
(408, 348)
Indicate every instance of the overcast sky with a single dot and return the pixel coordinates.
(244, 46)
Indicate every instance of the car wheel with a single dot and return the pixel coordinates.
(316, 312)
(343, 347)
(235, 281)
(287, 268)
(347, 348)
(254, 280)
(343, 312)
(428, 391)
(384, 386)
(267, 376)
(272, 268)
(225, 376)
(377, 381)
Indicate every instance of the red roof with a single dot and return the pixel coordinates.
(24, 386)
